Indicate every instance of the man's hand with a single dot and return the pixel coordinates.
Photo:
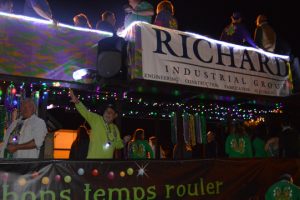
(74, 99)
(12, 148)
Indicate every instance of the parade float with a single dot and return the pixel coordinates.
(176, 84)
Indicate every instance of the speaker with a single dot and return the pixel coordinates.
(111, 58)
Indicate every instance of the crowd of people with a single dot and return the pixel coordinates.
(284, 188)
(236, 32)
(136, 10)
(238, 141)
(261, 144)
(100, 138)
(264, 36)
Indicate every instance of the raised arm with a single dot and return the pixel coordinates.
(85, 113)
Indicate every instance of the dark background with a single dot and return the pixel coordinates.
(202, 17)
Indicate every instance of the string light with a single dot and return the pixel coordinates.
(58, 97)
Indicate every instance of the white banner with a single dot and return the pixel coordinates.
(189, 59)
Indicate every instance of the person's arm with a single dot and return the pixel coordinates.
(12, 148)
(247, 37)
(87, 115)
(42, 8)
(144, 12)
(6, 137)
(147, 12)
(119, 142)
(149, 149)
(146, 9)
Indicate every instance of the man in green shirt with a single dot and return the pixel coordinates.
(284, 189)
(105, 135)
(238, 143)
(138, 10)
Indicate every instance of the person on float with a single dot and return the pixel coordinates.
(104, 136)
(25, 136)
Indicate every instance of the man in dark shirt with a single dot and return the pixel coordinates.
(107, 22)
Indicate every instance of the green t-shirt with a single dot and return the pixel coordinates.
(238, 146)
(259, 148)
(139, 149)
(132, 17)
(283, 190)
(100, 135)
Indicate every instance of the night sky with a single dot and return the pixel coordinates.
(203, 17)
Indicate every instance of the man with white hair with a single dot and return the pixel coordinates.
(24, 136)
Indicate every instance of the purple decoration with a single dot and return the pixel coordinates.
(57, 178)
(44, 50)
(111, 175)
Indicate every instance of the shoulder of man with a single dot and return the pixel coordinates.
(36, 118)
